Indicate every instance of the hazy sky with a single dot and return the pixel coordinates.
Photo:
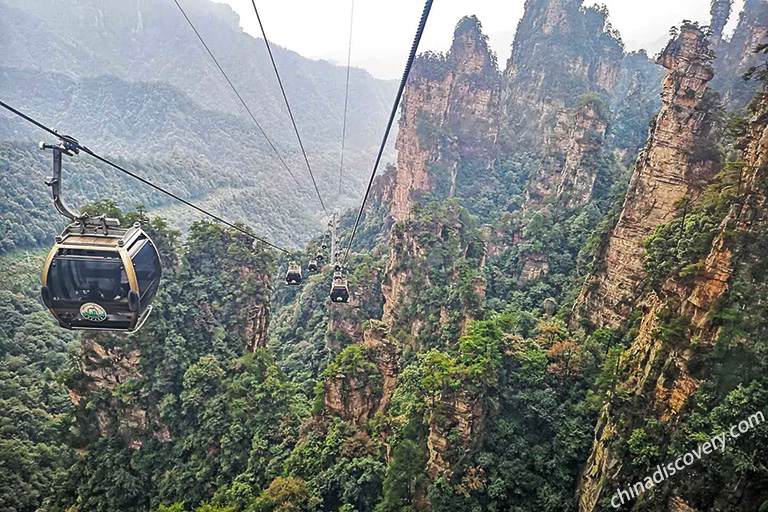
(383, 30)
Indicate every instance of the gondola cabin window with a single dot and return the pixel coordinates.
(77, 276)
(90, 288)
(147, 266)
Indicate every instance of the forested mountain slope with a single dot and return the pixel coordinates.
(131, 81)
(149, 41)
(33, 403)
(202, 155)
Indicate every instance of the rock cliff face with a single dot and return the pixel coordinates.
(646, 351)
(456, 425)
(534, 266)
(676, 163)
(344, 326)
(561, 51)
(750, 216)
(426, 271)
(356, 394)
(257, 313)
(396, 281)
(567, 173)
(448, 119)
(671, 167)
(659, 370)
(721, 11)
(256, 330)
(737, 55)
(105, 367)
(222, 291)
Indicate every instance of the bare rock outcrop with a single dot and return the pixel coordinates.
(257, 312)
(106, 367)
(677, 162)
(567, 173)
(721, 11)
(748, 216)
(360, 383)
(660, 369)
(544, 72)
(448, 119)
(456, 424)
(735, 56)
(431, 252)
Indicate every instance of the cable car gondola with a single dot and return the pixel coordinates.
(293, 276)
(98, 276)
(101, 281)
(312, 266)
(339, 288)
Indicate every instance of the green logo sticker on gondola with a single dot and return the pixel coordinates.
(93, 312)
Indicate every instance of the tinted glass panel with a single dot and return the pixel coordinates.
(147, 265)
(88, 276)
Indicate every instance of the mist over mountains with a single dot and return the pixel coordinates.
(130, 80)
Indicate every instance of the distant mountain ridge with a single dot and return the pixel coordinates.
(131, 80)
(149, 41)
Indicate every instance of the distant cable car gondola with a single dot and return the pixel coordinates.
(312, 266)
(339, 288)
(98, 276)
(293, 276)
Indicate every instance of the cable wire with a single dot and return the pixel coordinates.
(139, 178)
(242, 101)
(406, 73)
(290, 112)
(346, 97)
